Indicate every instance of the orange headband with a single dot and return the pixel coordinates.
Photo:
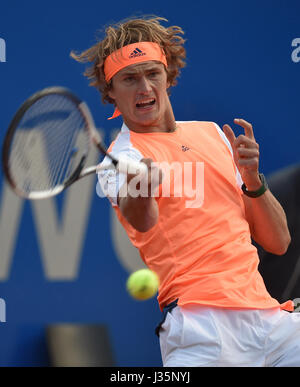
(132, 54)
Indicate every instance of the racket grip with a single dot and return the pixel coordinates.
(130, 166)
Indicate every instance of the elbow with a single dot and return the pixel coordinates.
(142, 214)
(280, 251)
(146, 223)
(144, 227)
(141, 223)
(284, 246)
(281, 248)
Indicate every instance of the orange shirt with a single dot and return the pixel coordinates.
(202, 254)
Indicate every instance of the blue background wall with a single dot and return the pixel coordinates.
(239, 64)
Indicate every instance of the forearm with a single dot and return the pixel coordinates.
(142, 213)
(269, 225)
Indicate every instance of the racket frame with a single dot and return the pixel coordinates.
(80, 171)
(89, 128)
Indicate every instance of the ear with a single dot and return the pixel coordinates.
(168, 82)
(111, 93)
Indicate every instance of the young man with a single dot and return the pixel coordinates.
(217, 311)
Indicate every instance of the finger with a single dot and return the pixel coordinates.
(244, 141)
(147, 161)
(133, 174)
(155, 173)
(161, 176)
(229, 133)
(246, 152)
(156, 178)
(250, 163)
(247, 127)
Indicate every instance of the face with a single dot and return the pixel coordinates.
(140, 93)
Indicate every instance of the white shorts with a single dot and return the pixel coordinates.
(195, 336)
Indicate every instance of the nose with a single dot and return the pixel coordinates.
(144, 85)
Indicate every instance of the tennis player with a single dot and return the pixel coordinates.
(216, 309)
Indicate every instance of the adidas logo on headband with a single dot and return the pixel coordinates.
(137, 52)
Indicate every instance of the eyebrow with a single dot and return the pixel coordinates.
(133, 72)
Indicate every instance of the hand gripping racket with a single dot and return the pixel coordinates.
(47, 143)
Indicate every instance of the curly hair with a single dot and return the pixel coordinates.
(132, 31)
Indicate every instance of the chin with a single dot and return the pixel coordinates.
(146, 121)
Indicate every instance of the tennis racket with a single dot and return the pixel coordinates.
(47, 144)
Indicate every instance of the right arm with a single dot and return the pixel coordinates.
(141, 212)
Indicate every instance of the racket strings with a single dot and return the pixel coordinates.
(66, 142)
(48, 144)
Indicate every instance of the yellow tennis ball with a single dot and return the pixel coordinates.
(142, 284)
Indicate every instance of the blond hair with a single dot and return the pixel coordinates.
(145, 29)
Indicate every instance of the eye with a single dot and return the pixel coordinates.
(153, 74)
(129, 78)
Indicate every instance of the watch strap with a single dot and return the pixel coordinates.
(260, 191)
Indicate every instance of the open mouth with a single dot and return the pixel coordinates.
(146, 103)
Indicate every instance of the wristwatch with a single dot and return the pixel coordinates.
(260, 191)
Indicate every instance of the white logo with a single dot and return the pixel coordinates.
(2, 50)
(185, 181)
(2, 311)
(296, 52)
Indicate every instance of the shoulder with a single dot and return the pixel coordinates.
(201, 125)
(204, 125)
(124, 146)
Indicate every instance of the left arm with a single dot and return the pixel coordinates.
(268, 224)
(266, 217)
